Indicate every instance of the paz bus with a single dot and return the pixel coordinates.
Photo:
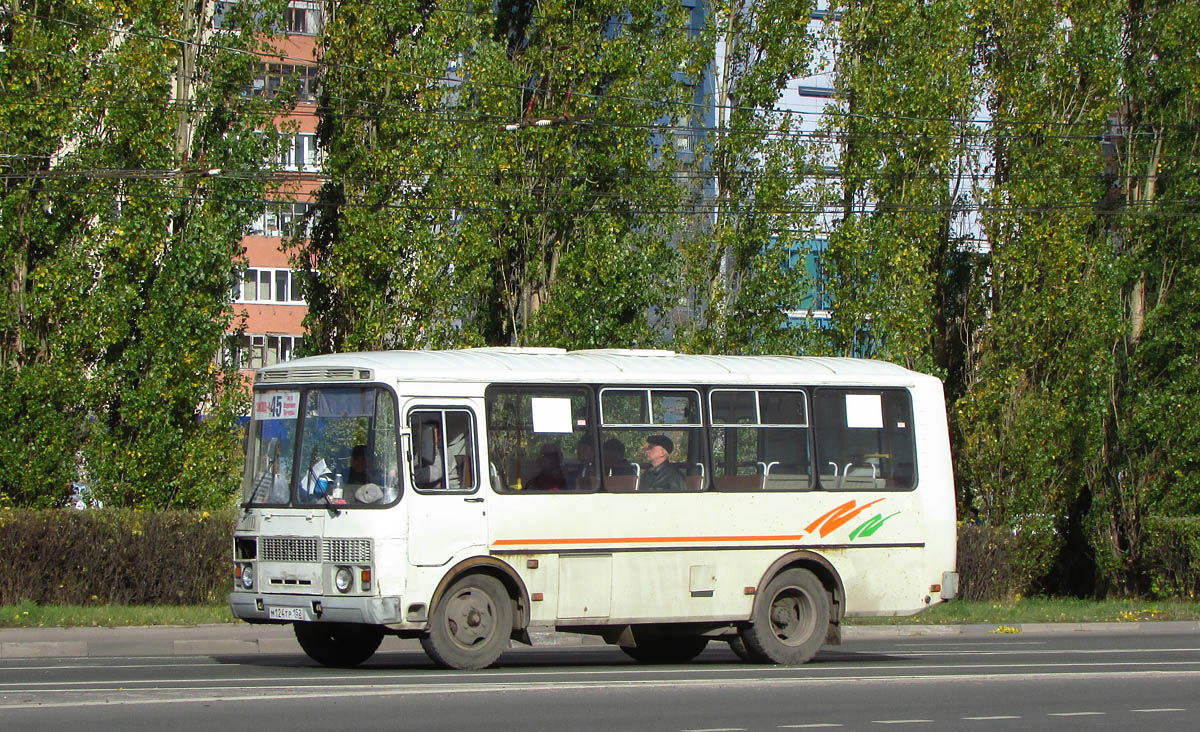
(661, 501)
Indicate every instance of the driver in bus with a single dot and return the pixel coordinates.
(661, 475)
(361, 471)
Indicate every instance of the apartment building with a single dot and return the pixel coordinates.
(268, 305)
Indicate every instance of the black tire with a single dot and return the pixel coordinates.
(471, 624)
(738, 646)
(790, 623)
(342, 645)
(654, 646)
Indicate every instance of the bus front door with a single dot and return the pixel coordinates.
(446, 508)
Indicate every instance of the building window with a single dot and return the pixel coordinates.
(302, 18)
(301, 154)
(255, 351)
(272, 79)
(284, 219)
(269, 285)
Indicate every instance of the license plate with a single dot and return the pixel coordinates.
(285, 613)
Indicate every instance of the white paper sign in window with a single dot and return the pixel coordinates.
(864, 411)
(551, 415)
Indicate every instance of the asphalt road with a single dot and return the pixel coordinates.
(1063, 681)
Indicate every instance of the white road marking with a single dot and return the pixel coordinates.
(901, 721)
(770, 675)
(479, 684)
(1076, 714)
(716, 729)
(814, 725)
(997, 716)
(1046, 652)
(1161, 709)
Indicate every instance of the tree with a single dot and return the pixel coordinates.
(1149, 457)
(496, 177)
(907, 92)
(131, 166)
(751, 196)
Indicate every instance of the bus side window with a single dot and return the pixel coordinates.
(759, 439)
(864, 439)
(541, 439)
(443, 449)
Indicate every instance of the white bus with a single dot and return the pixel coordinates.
(660, 501)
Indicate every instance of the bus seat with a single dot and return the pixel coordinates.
(621, 483)
(587, 483)
(695, 482)
(861, 478)
(788, 482)
(738, 482)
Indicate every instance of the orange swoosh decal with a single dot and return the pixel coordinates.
(834, 518)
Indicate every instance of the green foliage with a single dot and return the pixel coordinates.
(495, 179)
(119, 246)
(115, 556)
(908, 86)
(1172, 556)
(751, 170)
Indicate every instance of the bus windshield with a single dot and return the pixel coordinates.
(322, 446)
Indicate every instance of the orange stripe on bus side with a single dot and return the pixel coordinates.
(643, 540)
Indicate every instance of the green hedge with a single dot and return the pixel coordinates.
(115, 556)
(68, 557)
(1172, 556)
(987, 563)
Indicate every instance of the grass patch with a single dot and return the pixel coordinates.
(32, 615)
(1044, 610)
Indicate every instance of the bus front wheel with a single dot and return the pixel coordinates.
(338, 644)
(471, 624)
(792, 622)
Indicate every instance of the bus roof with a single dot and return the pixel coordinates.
(555, 365)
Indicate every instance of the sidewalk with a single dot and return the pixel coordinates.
(243, 638)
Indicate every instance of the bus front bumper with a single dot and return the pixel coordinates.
(268, 608)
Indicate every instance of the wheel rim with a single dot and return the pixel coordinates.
(792, 616)
(470, 617)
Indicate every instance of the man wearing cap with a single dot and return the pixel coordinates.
(661, 475)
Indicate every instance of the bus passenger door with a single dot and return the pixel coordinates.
(446, 508)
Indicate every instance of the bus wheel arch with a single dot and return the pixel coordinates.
(512, 582)
(797, 608)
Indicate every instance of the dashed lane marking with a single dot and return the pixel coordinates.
(991, 718)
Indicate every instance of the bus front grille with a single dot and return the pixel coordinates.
(288, 549)
(353, 551)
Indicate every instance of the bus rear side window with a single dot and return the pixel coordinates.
(864, 439)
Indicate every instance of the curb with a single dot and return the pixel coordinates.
(244, 639)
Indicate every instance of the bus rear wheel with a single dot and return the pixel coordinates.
(338, 644)
(655, 646)
(471, 624)
(792, 622)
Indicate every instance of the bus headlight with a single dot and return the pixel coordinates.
(343, 579)
(247, 576)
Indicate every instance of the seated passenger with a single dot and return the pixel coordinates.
(615, 462)
(550, 475)
(585, 460)
(661, 475)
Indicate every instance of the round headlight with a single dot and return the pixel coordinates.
(247, 576)
(343, 579)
